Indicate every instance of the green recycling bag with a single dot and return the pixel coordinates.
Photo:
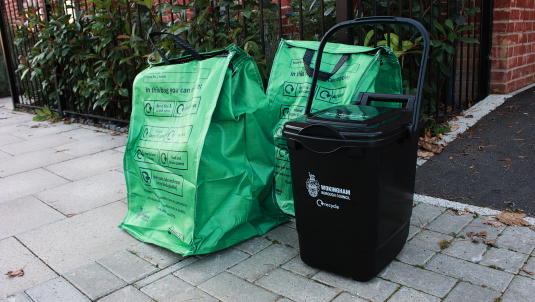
(198, 163)
(346, 70)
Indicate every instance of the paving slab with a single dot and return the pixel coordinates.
(508, 260)
(19, 297)
(405, 294)
(26, 183)
(94, 281)
(157, 256)
(5, 156)
(520, 239)
(467, 292)
(165, 272)
(33, 129)
(172, 289)
(24, 214)
(470, 272)
(296, 287)
(297, 266)
(423, 213)
(521, 289)
(83, 133)
(210, 266)
(98, 144)
(253, 245)
(7, 138)
(530, 267)
(56, 290)
(67, 244)
(36, 144)
(430, 240)
(88, 166)
(346, 297)
(284, 235)
(258, 265)
(13, 128)
(86, 194)
(415, 255)
(466, 249)
(32, 160)
(120, 149)
(375, 290)
(127, 294)
(291, 224)
(420, 279)
(12, 117)
(448, 222)
(14, 256)
(127, 266)
(6, 103)
(413, 230)
(477, 226)
(227, 287)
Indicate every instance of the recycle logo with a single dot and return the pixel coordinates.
(163, 158)
(180, 109)
(170, 135)
(289, 88)
(313, 186)
(148, 108)
(145, 132)
(285, 112)
(283, 152)
(145, 176)
(139, 154)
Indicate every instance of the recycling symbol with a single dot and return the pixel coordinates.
(148, 108)
(325, 94)
(180, 109)
(139, 154)
(163, 158)
(146, 177)
(279, 132)
(285, 112)
(171, 135)
(283, 152)
(289, 88)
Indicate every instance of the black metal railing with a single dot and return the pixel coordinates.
(469, 69)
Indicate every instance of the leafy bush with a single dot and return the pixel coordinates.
(94, 53)
(90, 55)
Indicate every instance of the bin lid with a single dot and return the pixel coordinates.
(351, 123)
(353, 115)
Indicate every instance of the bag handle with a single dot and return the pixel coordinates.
(188, 48)
(413, 127)
(323, 76)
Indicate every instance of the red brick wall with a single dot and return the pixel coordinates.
(513, 45)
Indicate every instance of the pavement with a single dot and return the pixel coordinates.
(492, 163)
(63, 195)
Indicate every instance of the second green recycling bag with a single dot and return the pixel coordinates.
(346, 71)
(198, 162)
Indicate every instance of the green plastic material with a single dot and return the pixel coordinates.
(366, 70)
(198, 162)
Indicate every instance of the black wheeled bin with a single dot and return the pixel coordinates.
(353, 170)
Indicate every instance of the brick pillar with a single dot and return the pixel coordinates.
(513, 49)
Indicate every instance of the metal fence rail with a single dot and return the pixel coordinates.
(292, 19)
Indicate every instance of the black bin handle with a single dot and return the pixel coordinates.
(413, 127)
